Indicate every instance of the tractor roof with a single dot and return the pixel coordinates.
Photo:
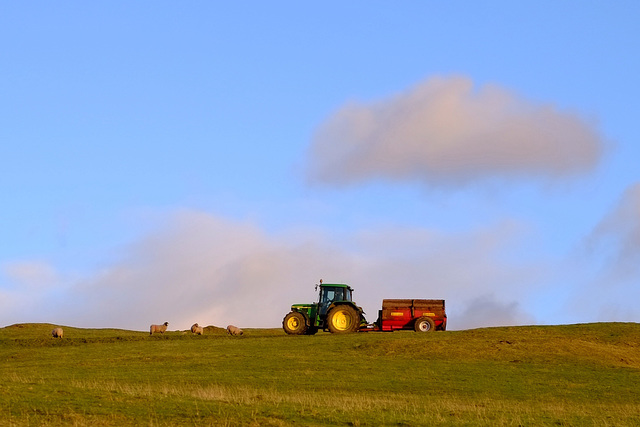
(336, 285)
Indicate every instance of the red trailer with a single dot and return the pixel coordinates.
(420, 315)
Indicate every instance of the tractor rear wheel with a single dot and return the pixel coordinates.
(343, 319)
(294, 323)
(424, 324)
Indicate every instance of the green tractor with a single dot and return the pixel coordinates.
(334, 311)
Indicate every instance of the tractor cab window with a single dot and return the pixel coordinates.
(327, 296)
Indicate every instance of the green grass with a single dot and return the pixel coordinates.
(570, 375)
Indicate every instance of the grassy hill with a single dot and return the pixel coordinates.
(539, 375)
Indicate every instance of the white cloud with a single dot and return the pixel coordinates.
(28, 291)
(442, 132)
(29, 273)
(618, 235)
(605, 271)
(487, 310)
(202, 268)
(206, 269)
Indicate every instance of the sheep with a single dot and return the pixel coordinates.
(158, 328)
(233, 330)
(57, 333)
(195, 329)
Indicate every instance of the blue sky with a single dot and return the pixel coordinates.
(210, 163)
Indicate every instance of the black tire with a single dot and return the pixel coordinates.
(343, 319)
(424, 324)
(295, 323)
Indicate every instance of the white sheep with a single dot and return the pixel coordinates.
(196, 329)
(234, 330)
(158, 328)
(57, 333)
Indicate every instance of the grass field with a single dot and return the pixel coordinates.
(573, 375)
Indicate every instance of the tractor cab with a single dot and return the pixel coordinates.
(331, 293)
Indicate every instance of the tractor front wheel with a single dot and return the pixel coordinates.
(294, 323)
(424, 324)
(343, 319)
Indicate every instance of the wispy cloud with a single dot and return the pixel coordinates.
(445, 132)
(610, 270)
(29, 291)
(203, 268)
(488, 310)
(206, 269)
(29, 274)
(618, 236)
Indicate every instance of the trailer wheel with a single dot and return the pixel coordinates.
(343, 319)
(294, 323)
(424, 324)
